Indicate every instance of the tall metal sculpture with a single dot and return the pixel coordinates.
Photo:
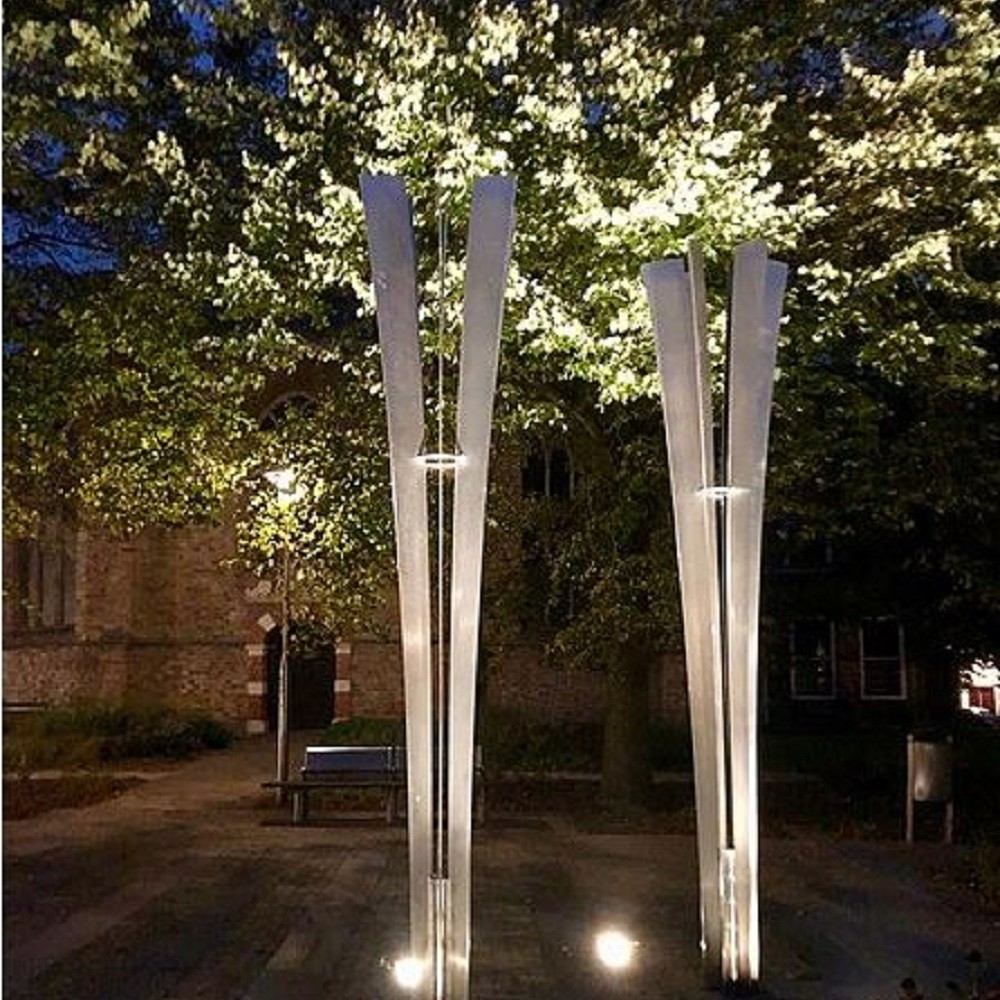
(718, 519)
(440, 784)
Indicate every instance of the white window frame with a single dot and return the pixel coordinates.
(900, 658)
(832, 696)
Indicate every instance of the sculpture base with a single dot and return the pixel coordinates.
(741, 988)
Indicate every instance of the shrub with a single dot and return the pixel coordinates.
(365, 731)
(984, 869)
(86, 734)
(513, 742)
(977, 776)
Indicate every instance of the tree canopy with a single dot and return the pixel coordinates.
(208, 154)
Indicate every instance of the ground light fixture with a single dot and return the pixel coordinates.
(408, 972)
(615, 950)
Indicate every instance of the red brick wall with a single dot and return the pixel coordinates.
(161, 618)
(60, 672)
(376, 679)
(158, 618)
(207, 676)
(182, 590)
(521, 681)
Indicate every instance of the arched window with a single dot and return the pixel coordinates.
(295, 401)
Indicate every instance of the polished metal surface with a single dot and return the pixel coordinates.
(718, 521)
(686, 399)
(491, 230)
(440, 881)
(390, 240)
(758, 287)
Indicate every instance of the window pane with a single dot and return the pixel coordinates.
(533, 474)
(813, 679)
(883, 678)
(559, 473)
(813, 667)
(547, 472)
(52, 586)
(40, 577)
(69, 584)
(882, 663)
(881, 638)
(811, 639)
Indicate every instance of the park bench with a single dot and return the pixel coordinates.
(360, 767)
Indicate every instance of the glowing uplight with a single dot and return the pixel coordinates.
(614, 949)
(440, 461)
(721, 492)
(409, 972)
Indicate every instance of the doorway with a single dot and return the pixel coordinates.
(312, 667)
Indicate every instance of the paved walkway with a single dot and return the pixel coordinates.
(191, 886)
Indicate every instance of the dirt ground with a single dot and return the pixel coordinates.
(193, 884)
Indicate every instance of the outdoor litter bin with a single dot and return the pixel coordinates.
(929, 765)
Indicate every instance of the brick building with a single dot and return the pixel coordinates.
(162, 618)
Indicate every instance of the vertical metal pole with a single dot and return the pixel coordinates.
(390, 240)
(718, 530)
(757, 292)
(949, 807)
(282, 792)
(491, 230)
(441, 665)
(440, 870)
(909, 788)
(676, 299)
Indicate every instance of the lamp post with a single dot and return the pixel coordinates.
(284, 481)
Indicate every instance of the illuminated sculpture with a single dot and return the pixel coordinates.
(718, 522)
(439, 784)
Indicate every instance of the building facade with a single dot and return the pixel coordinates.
(163, 618)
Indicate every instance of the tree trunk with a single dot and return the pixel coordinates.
(625, 777)
(933, 694)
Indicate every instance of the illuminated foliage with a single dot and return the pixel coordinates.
(208, 154)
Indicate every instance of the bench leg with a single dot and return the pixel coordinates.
(300, 807)
(392, 805)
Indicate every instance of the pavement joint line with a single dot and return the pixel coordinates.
(298, 943)
(80, 929)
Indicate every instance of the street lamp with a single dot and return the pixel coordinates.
(283, 480)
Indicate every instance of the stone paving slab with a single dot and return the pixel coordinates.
(190, 887)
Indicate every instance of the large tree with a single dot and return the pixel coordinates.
(219, 161)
